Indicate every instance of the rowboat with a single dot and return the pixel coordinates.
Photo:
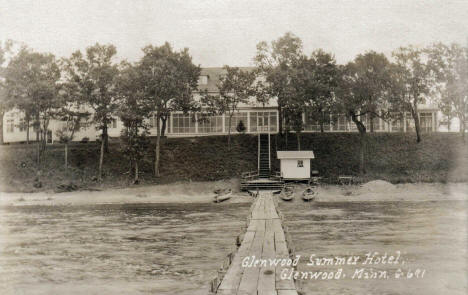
(287, 194)
(308, 194)
(222, 195)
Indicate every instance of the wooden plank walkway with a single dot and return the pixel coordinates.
(263, 239)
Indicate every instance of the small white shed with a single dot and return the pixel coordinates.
(295, 164)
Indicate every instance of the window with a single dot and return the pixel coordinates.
(236, 118)
(366, 120)
(22, 125)
(211, 124)
(152, 123)
(114, 123)
(341, 122)
(312, 123)
(397, 123)
(300, 163)
(203, 80)
(10, 126)
(263, 121)
(409, 123)
(426, 122)
(183, 123)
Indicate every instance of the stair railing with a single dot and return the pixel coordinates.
(269, 151)
(258, 162)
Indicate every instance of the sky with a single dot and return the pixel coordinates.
(219, 32)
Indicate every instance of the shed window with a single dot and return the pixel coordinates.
(300, 163)
(10, 126)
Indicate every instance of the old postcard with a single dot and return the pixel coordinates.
(234, 147)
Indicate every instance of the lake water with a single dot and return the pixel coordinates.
(116, 249)
(176, 249)
(431, 236)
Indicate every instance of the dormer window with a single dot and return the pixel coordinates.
(203, 80)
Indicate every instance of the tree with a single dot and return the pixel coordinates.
(364, 87)
(321, 86)
(293, 119)
(72, 113)
(450, 66)
(31, 81)
(168, 81)
(133, 111)
(5, 103)
(275, 62)
(414, 79)
(72, 123)
(235, 88)
(93, 78)
(315, 81)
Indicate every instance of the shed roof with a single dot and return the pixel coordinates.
(295, 155)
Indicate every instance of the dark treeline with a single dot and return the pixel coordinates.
(93, 87)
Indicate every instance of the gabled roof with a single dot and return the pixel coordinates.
(214, 74)
(295, 155)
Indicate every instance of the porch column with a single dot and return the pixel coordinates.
(277, 121)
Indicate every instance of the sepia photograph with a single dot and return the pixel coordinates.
(234, 147)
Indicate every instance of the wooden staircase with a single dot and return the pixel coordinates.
(264, 157)
(262, 179)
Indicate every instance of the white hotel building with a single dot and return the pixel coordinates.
(256, 119)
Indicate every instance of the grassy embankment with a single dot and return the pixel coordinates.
(392, 157)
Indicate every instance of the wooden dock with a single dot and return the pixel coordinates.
(264, 238)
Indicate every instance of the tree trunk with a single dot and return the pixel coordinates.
(101, 158)
(27, 131)
(229, 133)
(362, 148)
(462, 126)
(362, 143)
(2, 114)
(135, 181)
(163, 127)
(414, 113)
(157, 149)
(286, 139)
(280, 119)
(38, 127)
(321, 123)
(298, 135)
(38, 152)
(371, 123)
(105, 138)
(66, 156)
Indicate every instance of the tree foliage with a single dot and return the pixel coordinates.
(133, 111)
(315, 80)
(235, 89)
(275, 62)
(413, 77)
(450, 66)
(31, 83)
(168, 79)
(91, 79)
(365, 86)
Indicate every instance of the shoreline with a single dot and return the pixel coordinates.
(202, 192)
